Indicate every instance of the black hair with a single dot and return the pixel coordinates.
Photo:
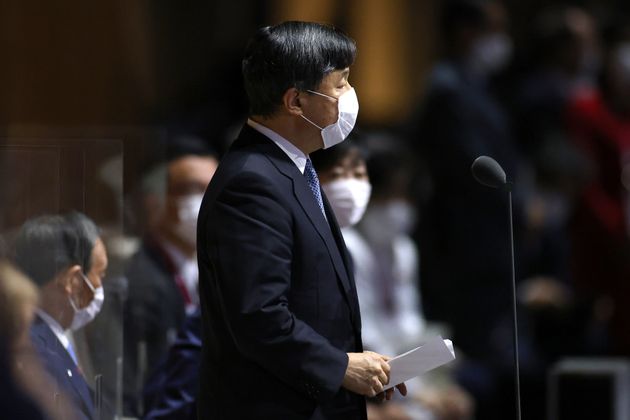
(4, 250)
(49, 244)
(291, 54)
(552, 34)
(614, 32)
(185, 144)
(462, 13)
(388, 162)
(87, 234)
(325, 159)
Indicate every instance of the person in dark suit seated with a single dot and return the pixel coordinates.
(66, 258)
(171, 393)
(163, 275)
(280, 314)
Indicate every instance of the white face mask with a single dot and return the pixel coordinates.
(337, 132)
(187, 211)
(349, 198)
(85, 315)
(384, 222)
(491, 53)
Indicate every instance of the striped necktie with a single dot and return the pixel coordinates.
(313, 184)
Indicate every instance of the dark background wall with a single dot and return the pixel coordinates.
(126, 74)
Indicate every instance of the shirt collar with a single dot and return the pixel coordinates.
(55, 327)
(296, 155)
(178, 258)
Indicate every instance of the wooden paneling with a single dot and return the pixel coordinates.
(305, 10)
(394, 40)
(56, 175)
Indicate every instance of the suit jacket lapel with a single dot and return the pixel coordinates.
(336, 231)
(309, 204)
(307, 201)
(56, 349)
(341, 246)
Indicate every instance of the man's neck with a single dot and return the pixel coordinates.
(166, 234)
(289, 128)
(59, 315)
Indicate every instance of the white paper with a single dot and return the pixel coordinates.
(435, 352)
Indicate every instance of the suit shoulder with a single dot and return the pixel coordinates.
(47, 347)
(143, 268)
(249, 169)
(245, 162)
(37, 332)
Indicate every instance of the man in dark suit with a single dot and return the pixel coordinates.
(162, 275)
(66, 258)
(281, 324)
(171, 393)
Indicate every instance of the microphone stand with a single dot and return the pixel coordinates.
(489, 173)
(517, 379)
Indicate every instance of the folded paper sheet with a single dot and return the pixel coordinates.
(435, 352)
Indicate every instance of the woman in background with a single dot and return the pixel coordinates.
(375, 219)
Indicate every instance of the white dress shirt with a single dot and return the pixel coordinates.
(297, 156)
(58, 331)
(188, 271)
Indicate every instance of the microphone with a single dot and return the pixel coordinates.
(489, 173)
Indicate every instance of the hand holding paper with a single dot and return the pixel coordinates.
(430, 355)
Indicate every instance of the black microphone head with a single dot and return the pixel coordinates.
(488, 172)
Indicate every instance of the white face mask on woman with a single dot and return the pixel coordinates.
(384, 222)
(349, 198)
(348, 106)
(83, 316)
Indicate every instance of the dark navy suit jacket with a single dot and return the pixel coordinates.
(154, 310)
(279, 303)
(171, 393)
(63, 370)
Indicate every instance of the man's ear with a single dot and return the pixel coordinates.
(291, 101)
(68, 279)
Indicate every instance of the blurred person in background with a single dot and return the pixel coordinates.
(463, 232)
(171, 392)
(66, 258)
(385, 261)
(563, 59)
(163, 275)
(599, 124)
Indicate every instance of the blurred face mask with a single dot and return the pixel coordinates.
(491, 53)
(187, 211)
(348, 106)
(384, 222)
(349, 198)
(83, 316)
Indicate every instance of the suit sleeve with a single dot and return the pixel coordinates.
(250, 234)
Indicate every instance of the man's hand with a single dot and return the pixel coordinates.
(367, 373)
(387, 395)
